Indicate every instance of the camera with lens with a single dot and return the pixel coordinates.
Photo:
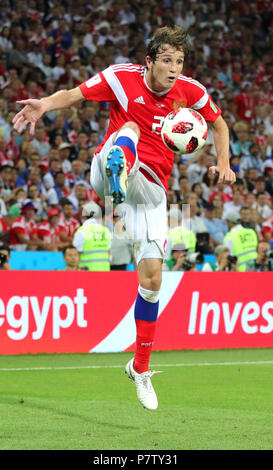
(268, 254)
(3, 259)
(248, 225)
(231, 260)
(191, 260)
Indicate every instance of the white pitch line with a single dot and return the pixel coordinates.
(196, 364)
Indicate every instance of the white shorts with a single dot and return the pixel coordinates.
(144, 212)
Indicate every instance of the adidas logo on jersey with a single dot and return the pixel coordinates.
(139, 100)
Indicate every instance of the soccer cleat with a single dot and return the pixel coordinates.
(145, 390)
(116, 174)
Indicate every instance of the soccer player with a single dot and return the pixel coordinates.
(132, 164)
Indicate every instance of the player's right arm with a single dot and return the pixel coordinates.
(95, 88)
(34, 109)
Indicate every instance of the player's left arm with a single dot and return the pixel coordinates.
(221, 141)
(198, 98)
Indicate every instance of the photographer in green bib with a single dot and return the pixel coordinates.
(241, 241)
(93, 240)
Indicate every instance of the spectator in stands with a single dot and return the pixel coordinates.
(267, 229)
(78, 141)
(198, 190)
(78, 193)
(197, 223)
(250, 201)
(5, 158)
(48, 179)
(59, 190)
(40, 142)
(23, 230)
(67, 219)
(251, 175)
(51, 233)
(103, 122)
(252, 160)
(235, 204)
(171, 198)
(264, 205)
(83, 157)
(5, 181)
(64, 153)
(217, 202)
(20, 196)
(269, 179)
(245, 217)
(268, 122)
(58, 128)
(35, 177)
(39, 201)
(34, 161)
(196, 171)
(235, 165)
(244, 103)
(259, 187)
(256, 219)
(77, 173)
(215, 227)
(208, 184)
(184, 188)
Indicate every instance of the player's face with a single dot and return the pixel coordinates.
(163, 73)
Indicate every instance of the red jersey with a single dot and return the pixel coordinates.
(91, 195)
(49, 234)
(20, 225)
(267, 228)
(131, 99)
(70, 226)
(245, 105)
(3, 225)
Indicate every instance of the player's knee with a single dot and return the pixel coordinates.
(151, 296)
(152, 282)
(132, 125)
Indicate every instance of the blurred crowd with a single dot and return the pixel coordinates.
(52, 45)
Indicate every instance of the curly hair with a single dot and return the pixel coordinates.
(173, 36)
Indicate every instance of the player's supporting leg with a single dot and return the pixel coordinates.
(119, 161)
(146, 311)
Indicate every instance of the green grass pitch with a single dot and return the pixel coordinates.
(208, 400)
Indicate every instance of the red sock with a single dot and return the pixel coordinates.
(144, 344)
(130, 158)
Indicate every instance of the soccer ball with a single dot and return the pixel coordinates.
(184, 130)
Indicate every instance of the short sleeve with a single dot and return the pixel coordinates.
(96, 88)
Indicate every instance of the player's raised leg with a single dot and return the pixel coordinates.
(146, 311)
(119, 161)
